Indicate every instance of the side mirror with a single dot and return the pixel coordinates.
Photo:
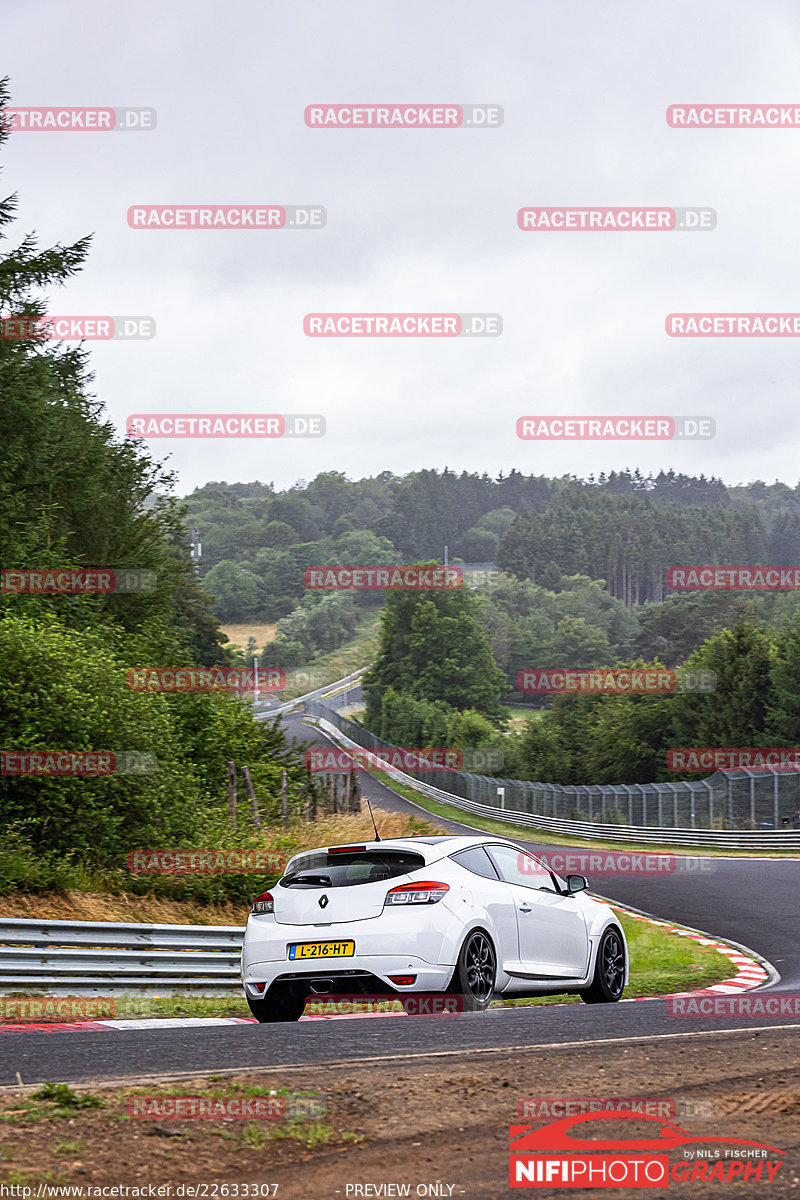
(577, 883)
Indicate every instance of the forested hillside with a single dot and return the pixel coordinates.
(75, 495)
(624, 528)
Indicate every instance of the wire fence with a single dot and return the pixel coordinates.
(728, 800)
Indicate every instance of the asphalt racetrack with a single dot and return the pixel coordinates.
(754, 903)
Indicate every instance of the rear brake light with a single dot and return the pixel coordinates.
(417, 893)
(263, 904)
(345, 849)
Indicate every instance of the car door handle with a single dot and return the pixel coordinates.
(525, 907)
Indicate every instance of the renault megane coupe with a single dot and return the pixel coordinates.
(470, 916)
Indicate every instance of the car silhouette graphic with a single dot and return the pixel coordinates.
(557, 1136)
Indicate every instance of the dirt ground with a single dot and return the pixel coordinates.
(433, 1120)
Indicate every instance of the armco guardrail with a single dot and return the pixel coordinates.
(524, 803)
(319, 694)
(79, 957)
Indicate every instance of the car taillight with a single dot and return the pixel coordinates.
(417, 893)
(263, 904)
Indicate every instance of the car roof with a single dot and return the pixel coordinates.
(437, 846)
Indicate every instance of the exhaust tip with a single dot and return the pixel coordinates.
(320, 986)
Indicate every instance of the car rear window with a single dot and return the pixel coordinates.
(323, 870)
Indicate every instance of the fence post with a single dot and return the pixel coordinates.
(710, 795)
(232, 793)
(775, 799)
(251, 796)
(311, 800)
(284, 799)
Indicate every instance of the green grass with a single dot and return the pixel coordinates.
(65, 1097)
(358, 652)
(255, 1136)
(518, 715)
(660, 963)
(130, 1007)
(532, 834)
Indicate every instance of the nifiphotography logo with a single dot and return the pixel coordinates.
(561, 1155)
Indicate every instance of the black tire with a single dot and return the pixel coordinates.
(476, 969)
(609, 970)
(282, 1007)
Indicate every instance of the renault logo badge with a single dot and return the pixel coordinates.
(323, 901)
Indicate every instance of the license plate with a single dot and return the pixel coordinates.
(322, 950)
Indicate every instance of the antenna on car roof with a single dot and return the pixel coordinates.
(374, 826)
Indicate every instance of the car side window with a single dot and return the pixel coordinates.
(476, 860)
(517, 866)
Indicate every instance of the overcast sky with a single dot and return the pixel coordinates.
(424, 220)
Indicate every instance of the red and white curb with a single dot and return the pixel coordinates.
(749, 974)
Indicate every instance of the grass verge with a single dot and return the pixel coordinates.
(660, 962)
(531, 834)
(327, 668)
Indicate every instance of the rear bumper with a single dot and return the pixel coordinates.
(422, 943)
(360, 975)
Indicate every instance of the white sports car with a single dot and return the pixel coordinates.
(472, 916)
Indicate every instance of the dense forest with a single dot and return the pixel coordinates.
(622, 528)
(74, 495)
